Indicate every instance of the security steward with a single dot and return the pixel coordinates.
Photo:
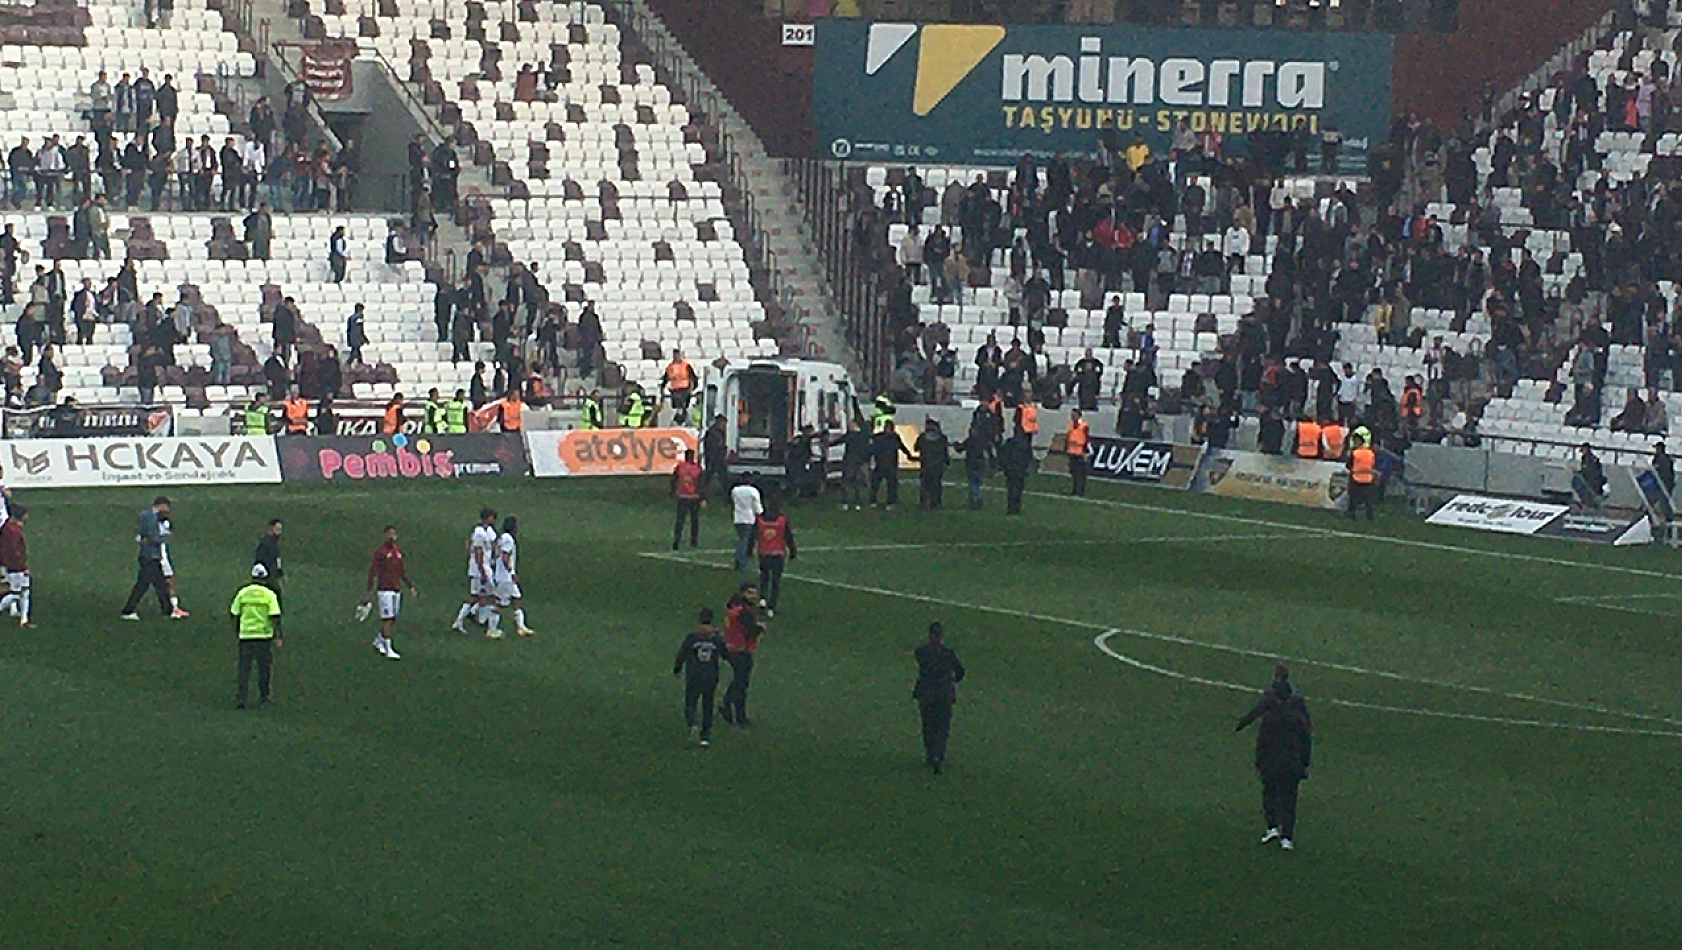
(637, 411)
(934, 454)
(1284, 746)
(432, 418)
(1363, 479)
(1334, 438)
(1308, 438)
(392, 422)
(938, 676)
(698, 659)
(297, 413)
(1074, 445)
(679, 383)
(1027, 422)
(742, 631)
(256, 416)
(882, 412)
(773, 540)
(594, 417)
(256, 622)
(686, 488)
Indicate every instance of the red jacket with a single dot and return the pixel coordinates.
(741, 626)
(686, 481)
(14, 554)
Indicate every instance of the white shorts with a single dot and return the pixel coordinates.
(479, 587)
(390, 603)
(17, 581)
(168, 568)
(507, 591)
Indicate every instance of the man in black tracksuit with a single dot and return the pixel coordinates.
(938, 676)
(934, 453)
(885, 450)
(698, 659)
(1284, 745)
(855, 462)
(1016, 456)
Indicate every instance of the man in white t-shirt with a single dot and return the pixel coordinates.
(507, 574)
(481, 578)
(745, 508)
(1348, 394)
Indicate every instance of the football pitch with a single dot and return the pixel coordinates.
(1496, 720)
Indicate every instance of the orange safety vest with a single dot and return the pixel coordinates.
(1363, 466)
(1079, 433)
(511, 409)
(297, 416)
(393, 420)
(1308, 439)
(1333, 434)
(1028, 415)
(679, 376)
(1413, 401)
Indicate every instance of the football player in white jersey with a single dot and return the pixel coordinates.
(175, 611)
(481, 578)
(508, 574)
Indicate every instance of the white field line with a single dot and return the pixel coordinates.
(1357, 536)
(1594, 598)
(1053, 543)
(1217, 647)
(1102, 643)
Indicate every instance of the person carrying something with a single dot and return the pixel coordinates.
(698, 659)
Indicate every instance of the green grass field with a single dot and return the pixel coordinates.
(545, 794)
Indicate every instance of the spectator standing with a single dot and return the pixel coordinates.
(338, 251)
(356, 334)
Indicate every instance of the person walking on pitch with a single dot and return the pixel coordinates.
(268, 554)
(481, 577)
(14, 559)
(938, 674)
(387, 577)
(686, 488)
(507, 574)
(698, 659)
(773, 536)
(1284, 745)
(256, 622)
(742, 630)
(151, 536)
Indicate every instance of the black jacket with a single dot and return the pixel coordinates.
(934, 451)
(938, 673)
(1285, 740)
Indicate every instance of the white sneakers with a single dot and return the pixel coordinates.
(385, 649)
(493, 634)
(1285, 845)
(1271, 836)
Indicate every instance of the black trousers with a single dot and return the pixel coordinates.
(336, 264)
(878, 478)
(1363, 496)
(937, 727)
(1014, 486)
(931, 485)
(1077, 473)
(771, 579)
(260, 652)
(689, 508)
(699, 693)
(736, 695)
(151, 575)
(1279, 803)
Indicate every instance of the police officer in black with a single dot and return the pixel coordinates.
(1016, 457)
(698, 659)
(885, 450)
(934, 454)
(938, 676)
(1284, 744)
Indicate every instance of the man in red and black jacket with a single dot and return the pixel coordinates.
(773, 536)
(741, 641)
(686, 486)
(14, 559)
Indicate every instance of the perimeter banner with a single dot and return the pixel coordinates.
(1280, 478)
(352, 459)
(576, 452)
(986, 94)
(83, 463)
(64, 422)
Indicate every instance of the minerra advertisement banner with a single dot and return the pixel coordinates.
(1501, 515)
(581, 452)
(986, 94)
(401, 458)
(1278, 478)
(83, 463)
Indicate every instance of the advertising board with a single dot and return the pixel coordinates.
(588, 452)
(81, 463)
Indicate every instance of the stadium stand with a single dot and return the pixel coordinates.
(607, 191)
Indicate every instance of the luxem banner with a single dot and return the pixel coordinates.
(557, 454)
(400, 457)
(907, 92)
